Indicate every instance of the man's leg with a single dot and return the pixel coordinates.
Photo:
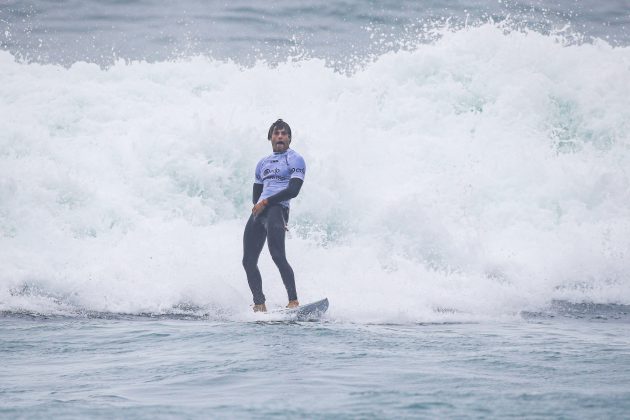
(276, 216)
(253, 242)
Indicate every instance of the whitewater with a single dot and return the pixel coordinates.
(476, 176)
(465, 211)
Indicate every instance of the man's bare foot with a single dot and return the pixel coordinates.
(293, 304)
(260, 308)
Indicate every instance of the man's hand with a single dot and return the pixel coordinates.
(259, 207)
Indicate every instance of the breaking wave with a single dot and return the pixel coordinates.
(479, 175)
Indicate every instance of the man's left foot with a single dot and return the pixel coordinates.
(293, 304)
(260, 308)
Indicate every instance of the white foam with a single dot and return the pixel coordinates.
(482, 174)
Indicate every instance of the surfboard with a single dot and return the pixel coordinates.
(309, 312)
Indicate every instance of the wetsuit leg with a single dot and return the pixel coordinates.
(277, 216)
(253, 242)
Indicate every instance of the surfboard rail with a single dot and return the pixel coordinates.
(308, 312)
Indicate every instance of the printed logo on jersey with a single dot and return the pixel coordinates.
(269, 171)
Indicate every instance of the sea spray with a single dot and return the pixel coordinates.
(482, 174)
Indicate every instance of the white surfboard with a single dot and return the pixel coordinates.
(308, 312)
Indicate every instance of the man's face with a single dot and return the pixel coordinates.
(280, 140)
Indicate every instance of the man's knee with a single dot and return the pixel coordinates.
(279, 258)
(249, 262)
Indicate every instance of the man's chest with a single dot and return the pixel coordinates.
(275, 168)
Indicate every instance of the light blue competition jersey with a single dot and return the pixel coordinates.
(275, 171)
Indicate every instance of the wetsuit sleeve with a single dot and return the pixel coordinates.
(258, 182)
(288, 193)
(258, 188)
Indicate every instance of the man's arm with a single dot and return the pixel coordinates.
(257, 190)
(288, 193)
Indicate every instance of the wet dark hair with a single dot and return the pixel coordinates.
(279, 125)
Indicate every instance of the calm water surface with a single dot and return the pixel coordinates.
(146, 368)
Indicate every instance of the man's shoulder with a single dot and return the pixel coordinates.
(293, 154)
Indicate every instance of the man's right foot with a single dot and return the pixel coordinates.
(293, 304)
(260, 308)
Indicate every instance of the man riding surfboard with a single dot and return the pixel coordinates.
(278, 179)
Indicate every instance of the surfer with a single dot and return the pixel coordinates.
(278, 179)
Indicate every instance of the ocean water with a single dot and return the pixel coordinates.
(163, 368)
(464, 210)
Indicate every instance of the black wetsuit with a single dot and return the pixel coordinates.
(270, 225)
